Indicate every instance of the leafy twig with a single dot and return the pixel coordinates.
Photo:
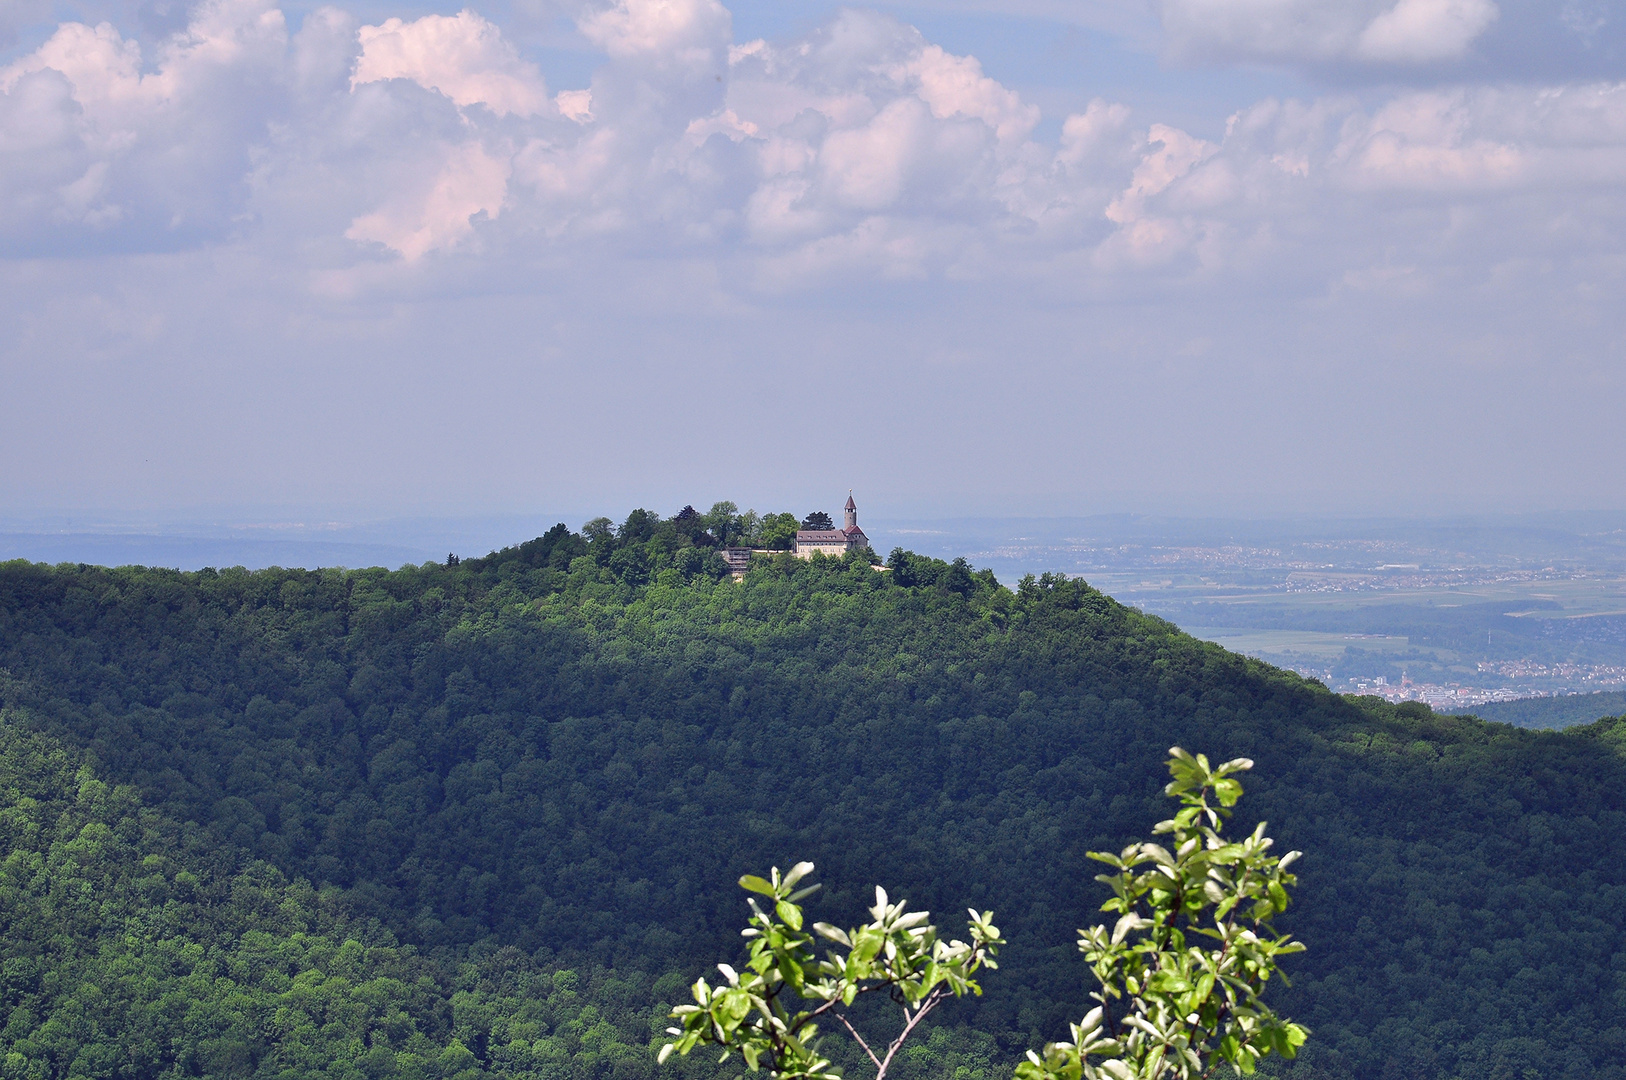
(898, 951)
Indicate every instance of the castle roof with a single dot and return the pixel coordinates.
(850, 504)
(821, 536)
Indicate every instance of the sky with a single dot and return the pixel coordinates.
(387, 258)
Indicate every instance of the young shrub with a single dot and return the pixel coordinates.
(1181, 971)
(759, 1013)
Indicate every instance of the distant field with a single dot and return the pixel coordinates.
(1255, 642)
(1543, 599)
(1553, 712)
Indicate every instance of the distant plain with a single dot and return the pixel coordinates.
(1474, 609)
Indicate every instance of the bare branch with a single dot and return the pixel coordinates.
(860, 1040)
(925, 1007)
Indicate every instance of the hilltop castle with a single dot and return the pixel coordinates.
(835, 542)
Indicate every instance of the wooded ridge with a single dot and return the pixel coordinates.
(486, 818)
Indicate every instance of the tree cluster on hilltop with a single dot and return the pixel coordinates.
(646, 544)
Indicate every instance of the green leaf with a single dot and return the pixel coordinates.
(797, 873)
(757, 885)
(834, 933)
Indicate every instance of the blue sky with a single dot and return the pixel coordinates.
(1206, 256)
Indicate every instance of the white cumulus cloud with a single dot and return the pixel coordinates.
(686, 31)
(1171, 153)
(955, 86)
(1326, 31)
(462, 56)
(96, 136)
(438, 214)
(1423, 30)
(102, 68)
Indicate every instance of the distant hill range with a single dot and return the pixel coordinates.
(1552, 712)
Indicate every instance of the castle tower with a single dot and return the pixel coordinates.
(852, 512)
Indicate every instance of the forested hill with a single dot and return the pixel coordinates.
(1554, 712)
(485, 819)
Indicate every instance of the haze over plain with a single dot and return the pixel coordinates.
(1035, 257)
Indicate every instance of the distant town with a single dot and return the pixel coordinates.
(1526, 680)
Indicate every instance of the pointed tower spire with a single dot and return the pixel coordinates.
(852, 511)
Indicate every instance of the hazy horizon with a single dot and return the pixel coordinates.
(1592, 539)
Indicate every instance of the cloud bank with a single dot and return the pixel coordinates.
(856, 199)
(860, 148)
